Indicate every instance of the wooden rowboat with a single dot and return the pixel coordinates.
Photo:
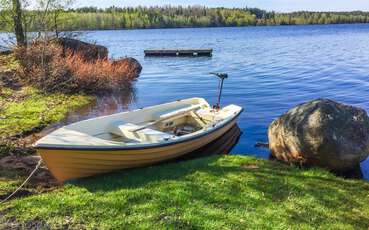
(134, 139)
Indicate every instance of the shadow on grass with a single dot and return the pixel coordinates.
(325, 191)
(226, 183)
(317, 199)
(217, 189)
(203, 193)
(221, 146)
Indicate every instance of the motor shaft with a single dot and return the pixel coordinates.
(221, 77)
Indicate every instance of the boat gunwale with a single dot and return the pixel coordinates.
(137, 147)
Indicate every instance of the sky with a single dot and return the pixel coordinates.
(276, 5)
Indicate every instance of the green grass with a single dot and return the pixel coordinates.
(23, 112)
(9, 180)
(8, 63)
(27, 110)
(30, 109)
(220, 192)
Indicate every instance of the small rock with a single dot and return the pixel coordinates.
(43, 175)
(250, 166)
(262, 145)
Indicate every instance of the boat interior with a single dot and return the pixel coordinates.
(163, 126)
(143, 126)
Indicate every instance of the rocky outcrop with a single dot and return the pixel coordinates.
(87, 50)
(321, 133)
(132, 65)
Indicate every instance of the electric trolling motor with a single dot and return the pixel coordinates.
(221, 77)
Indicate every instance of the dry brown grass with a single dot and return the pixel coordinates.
(48, 67)
(102, 75)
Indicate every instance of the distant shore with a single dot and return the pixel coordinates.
(3, 48)
(114, 18)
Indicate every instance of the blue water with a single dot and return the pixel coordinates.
(271, 69)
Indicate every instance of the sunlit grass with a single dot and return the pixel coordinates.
(220, 192)
(33, 109)
(25, 110)
(8, 63)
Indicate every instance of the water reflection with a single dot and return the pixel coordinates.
(221, 146)
(101, 106)
(271, 69)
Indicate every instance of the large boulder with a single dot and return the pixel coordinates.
(132, 66)
(88, 51)
(321, 133)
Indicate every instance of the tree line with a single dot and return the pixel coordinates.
(92, 18)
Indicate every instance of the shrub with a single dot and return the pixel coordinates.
(100, 75)
(48, 67)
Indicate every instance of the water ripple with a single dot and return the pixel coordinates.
(271, 68)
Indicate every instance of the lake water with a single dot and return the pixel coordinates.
(271, 69)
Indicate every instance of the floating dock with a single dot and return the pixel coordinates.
(179, 52)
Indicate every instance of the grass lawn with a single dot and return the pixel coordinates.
(219, 192)
(22, 112)
(8, 63)
(26, 110)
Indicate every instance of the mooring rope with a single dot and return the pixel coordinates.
(28, 178)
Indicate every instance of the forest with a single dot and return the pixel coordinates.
(92, 18)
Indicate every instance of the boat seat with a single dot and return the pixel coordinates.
(152, 135)
(144, 135)
(165, 116)
(173, 113)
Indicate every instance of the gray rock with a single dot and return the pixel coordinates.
(88, 51)
(321, 133)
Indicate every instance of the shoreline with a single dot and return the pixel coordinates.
(203, 27)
